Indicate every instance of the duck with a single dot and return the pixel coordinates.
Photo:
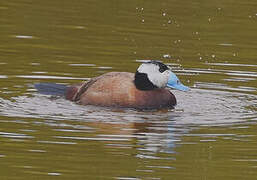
(148, 88)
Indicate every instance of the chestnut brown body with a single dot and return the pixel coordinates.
(117, 89)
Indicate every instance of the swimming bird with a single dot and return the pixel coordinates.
(147, 88)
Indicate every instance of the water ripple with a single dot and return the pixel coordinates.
(15, 135)
(57, 142)
(228, 64)
(49, 77)
(3, 77)
(92, 138)
(197, 107)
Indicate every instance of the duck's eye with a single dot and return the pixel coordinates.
(163, 67)
(178, 82)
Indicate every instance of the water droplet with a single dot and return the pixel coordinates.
(143, 20)
(213, 56)
(23, 37)
(166, 56)
(164, 14)
(79, 27)
(28, 167)
(54, 174)
(35, 64)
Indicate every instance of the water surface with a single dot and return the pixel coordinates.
(211, 134)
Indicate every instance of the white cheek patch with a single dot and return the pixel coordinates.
(159, 79)
(154, 75)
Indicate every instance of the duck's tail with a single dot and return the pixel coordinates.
(51, 89)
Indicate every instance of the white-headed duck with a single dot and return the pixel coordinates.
(144, 89)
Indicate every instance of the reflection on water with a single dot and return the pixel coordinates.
(211, 134)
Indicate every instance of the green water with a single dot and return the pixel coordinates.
(211, 45)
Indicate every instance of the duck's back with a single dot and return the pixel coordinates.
(117, 89)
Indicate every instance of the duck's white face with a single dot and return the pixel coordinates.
(154, 74)
(157, 75)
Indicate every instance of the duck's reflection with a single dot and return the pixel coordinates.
(148, 138)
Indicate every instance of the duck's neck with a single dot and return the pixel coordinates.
(142, 82)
